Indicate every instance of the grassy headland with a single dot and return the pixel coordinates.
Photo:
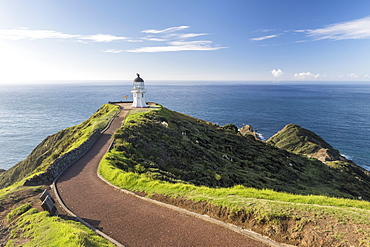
(210, 169)
(55, 145)
(206, 168)
(173, 147)
(22, 222)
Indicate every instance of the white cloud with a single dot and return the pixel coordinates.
(22, 33)
(267, 30)
(190, 35)
(165, 35)
(114, 51)
(174, 36)
(175, 41)
(180, 46)
(265, 37)
(353, 75)
(134, 40)
(300, 41)
(306, 75)
(277, 73)
(170, 34)
(156, 39)
(102, 38)
(355, 29)
(167, 30)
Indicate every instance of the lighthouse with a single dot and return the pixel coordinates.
(138, 93)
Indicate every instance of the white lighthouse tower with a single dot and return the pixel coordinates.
(138, 93)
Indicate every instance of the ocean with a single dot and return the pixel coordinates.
(338, 113)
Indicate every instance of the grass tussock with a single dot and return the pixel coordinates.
(33, 228)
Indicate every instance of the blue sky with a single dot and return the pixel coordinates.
(247, 40)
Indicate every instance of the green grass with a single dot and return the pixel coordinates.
(56, 145)
(98, 120)
(15, 188)
(235, 195)
(40, 229)
(156, 158)
(174, 147)
(262, 204)
(30, 227)
(18, 211)
(301, 141)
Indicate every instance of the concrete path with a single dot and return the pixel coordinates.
(128, 219)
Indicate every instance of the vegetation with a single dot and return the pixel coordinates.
(185, 161)
(243, 180)
(302, 141)
(56, 145)
(255, 208)
(169, 146)
(298, 140)
(18, 211)
(32, 228)
(238, 194)
(25, 225)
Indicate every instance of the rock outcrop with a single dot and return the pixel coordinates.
(248, 130)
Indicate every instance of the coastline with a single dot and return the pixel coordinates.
(322, 109)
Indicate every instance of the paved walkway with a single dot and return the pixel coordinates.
(128, 219)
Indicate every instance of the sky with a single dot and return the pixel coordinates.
(164, 40)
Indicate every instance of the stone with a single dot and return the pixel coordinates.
(248, 130)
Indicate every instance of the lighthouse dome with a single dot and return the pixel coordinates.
(138, 79)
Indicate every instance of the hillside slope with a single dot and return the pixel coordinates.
(174, 147)
(55, 145)
(296, 139)
(302, 141)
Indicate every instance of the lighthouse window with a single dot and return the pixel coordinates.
(142, 95)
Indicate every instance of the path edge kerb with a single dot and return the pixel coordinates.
(66, 209)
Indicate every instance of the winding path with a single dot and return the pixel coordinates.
(131, 220)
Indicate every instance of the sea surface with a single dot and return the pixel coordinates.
(338, 113)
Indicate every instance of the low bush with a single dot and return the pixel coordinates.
(174, 147)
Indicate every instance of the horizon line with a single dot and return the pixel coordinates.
(168, 81)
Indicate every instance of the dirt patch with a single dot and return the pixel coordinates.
(12, 201)
(324, 231)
